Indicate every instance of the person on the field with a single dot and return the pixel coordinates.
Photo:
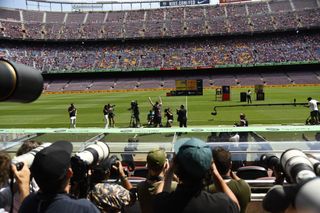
(73, 115)
(314, 111)
(111, 114)
(182, 116)
(169, 116)
(157, 120)
(106, 116)
(249, 97)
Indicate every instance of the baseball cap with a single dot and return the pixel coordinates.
(110, 197)
(195, 157)
(51, 163)
(156, 158)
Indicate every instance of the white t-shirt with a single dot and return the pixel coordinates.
(313, 105)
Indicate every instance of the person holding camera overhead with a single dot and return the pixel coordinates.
(73, 115)
(156, 107)
(52, 172)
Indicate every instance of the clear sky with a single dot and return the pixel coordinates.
(21, 4)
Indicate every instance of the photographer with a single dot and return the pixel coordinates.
(192, 164)
(239, 187)
(21, 185)
(106, 116)
(135, 120)
(169, 116)
(52, 172)
(110, 197)
(157, 119)
(302, 189)
(314, 111)
(111, 115)
(182, 116)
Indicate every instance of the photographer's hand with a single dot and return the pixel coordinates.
(221, 184)
(23, 180)
(123, 177)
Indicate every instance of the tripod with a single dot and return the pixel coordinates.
(133, 121)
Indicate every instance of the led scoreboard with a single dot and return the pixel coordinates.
(187, 87)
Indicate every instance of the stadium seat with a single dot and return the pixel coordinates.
(140, 172)
(252, 172)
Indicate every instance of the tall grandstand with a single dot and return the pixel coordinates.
(239, 44)
(234, 36)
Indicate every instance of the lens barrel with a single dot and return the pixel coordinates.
(19, 83)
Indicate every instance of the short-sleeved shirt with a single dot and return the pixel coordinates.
(185, 200)
(59, 203)
(313, 105)
(240, 189)
(146, 193)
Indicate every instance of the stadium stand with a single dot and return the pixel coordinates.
(169, 22)
(166, 54)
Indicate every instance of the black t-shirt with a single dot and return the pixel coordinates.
(184, 200)
(59, 203)
(182, 114)
(72, 111)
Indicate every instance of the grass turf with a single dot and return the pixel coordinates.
(51, 110)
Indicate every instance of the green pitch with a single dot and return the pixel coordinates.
(51, 110)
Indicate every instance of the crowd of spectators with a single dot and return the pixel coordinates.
(170, 22)
(166, 53)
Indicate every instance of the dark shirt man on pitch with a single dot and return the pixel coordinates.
(182, 116)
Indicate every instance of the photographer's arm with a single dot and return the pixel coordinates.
(123, 177)
(165, 185)
(221, 184)
(150, 101)
(23, 180)
(160, 100)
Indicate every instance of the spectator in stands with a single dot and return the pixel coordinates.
(73, 115)
(111, 197)
(249, 97)
(169, 115)
(314, 112)
(52, 172)
(157, 119)
(156, 164)
(106, 116)
(192, 164)
(241, 189)
(182, 116)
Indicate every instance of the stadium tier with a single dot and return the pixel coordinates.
(166, 54)
(241, 18)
